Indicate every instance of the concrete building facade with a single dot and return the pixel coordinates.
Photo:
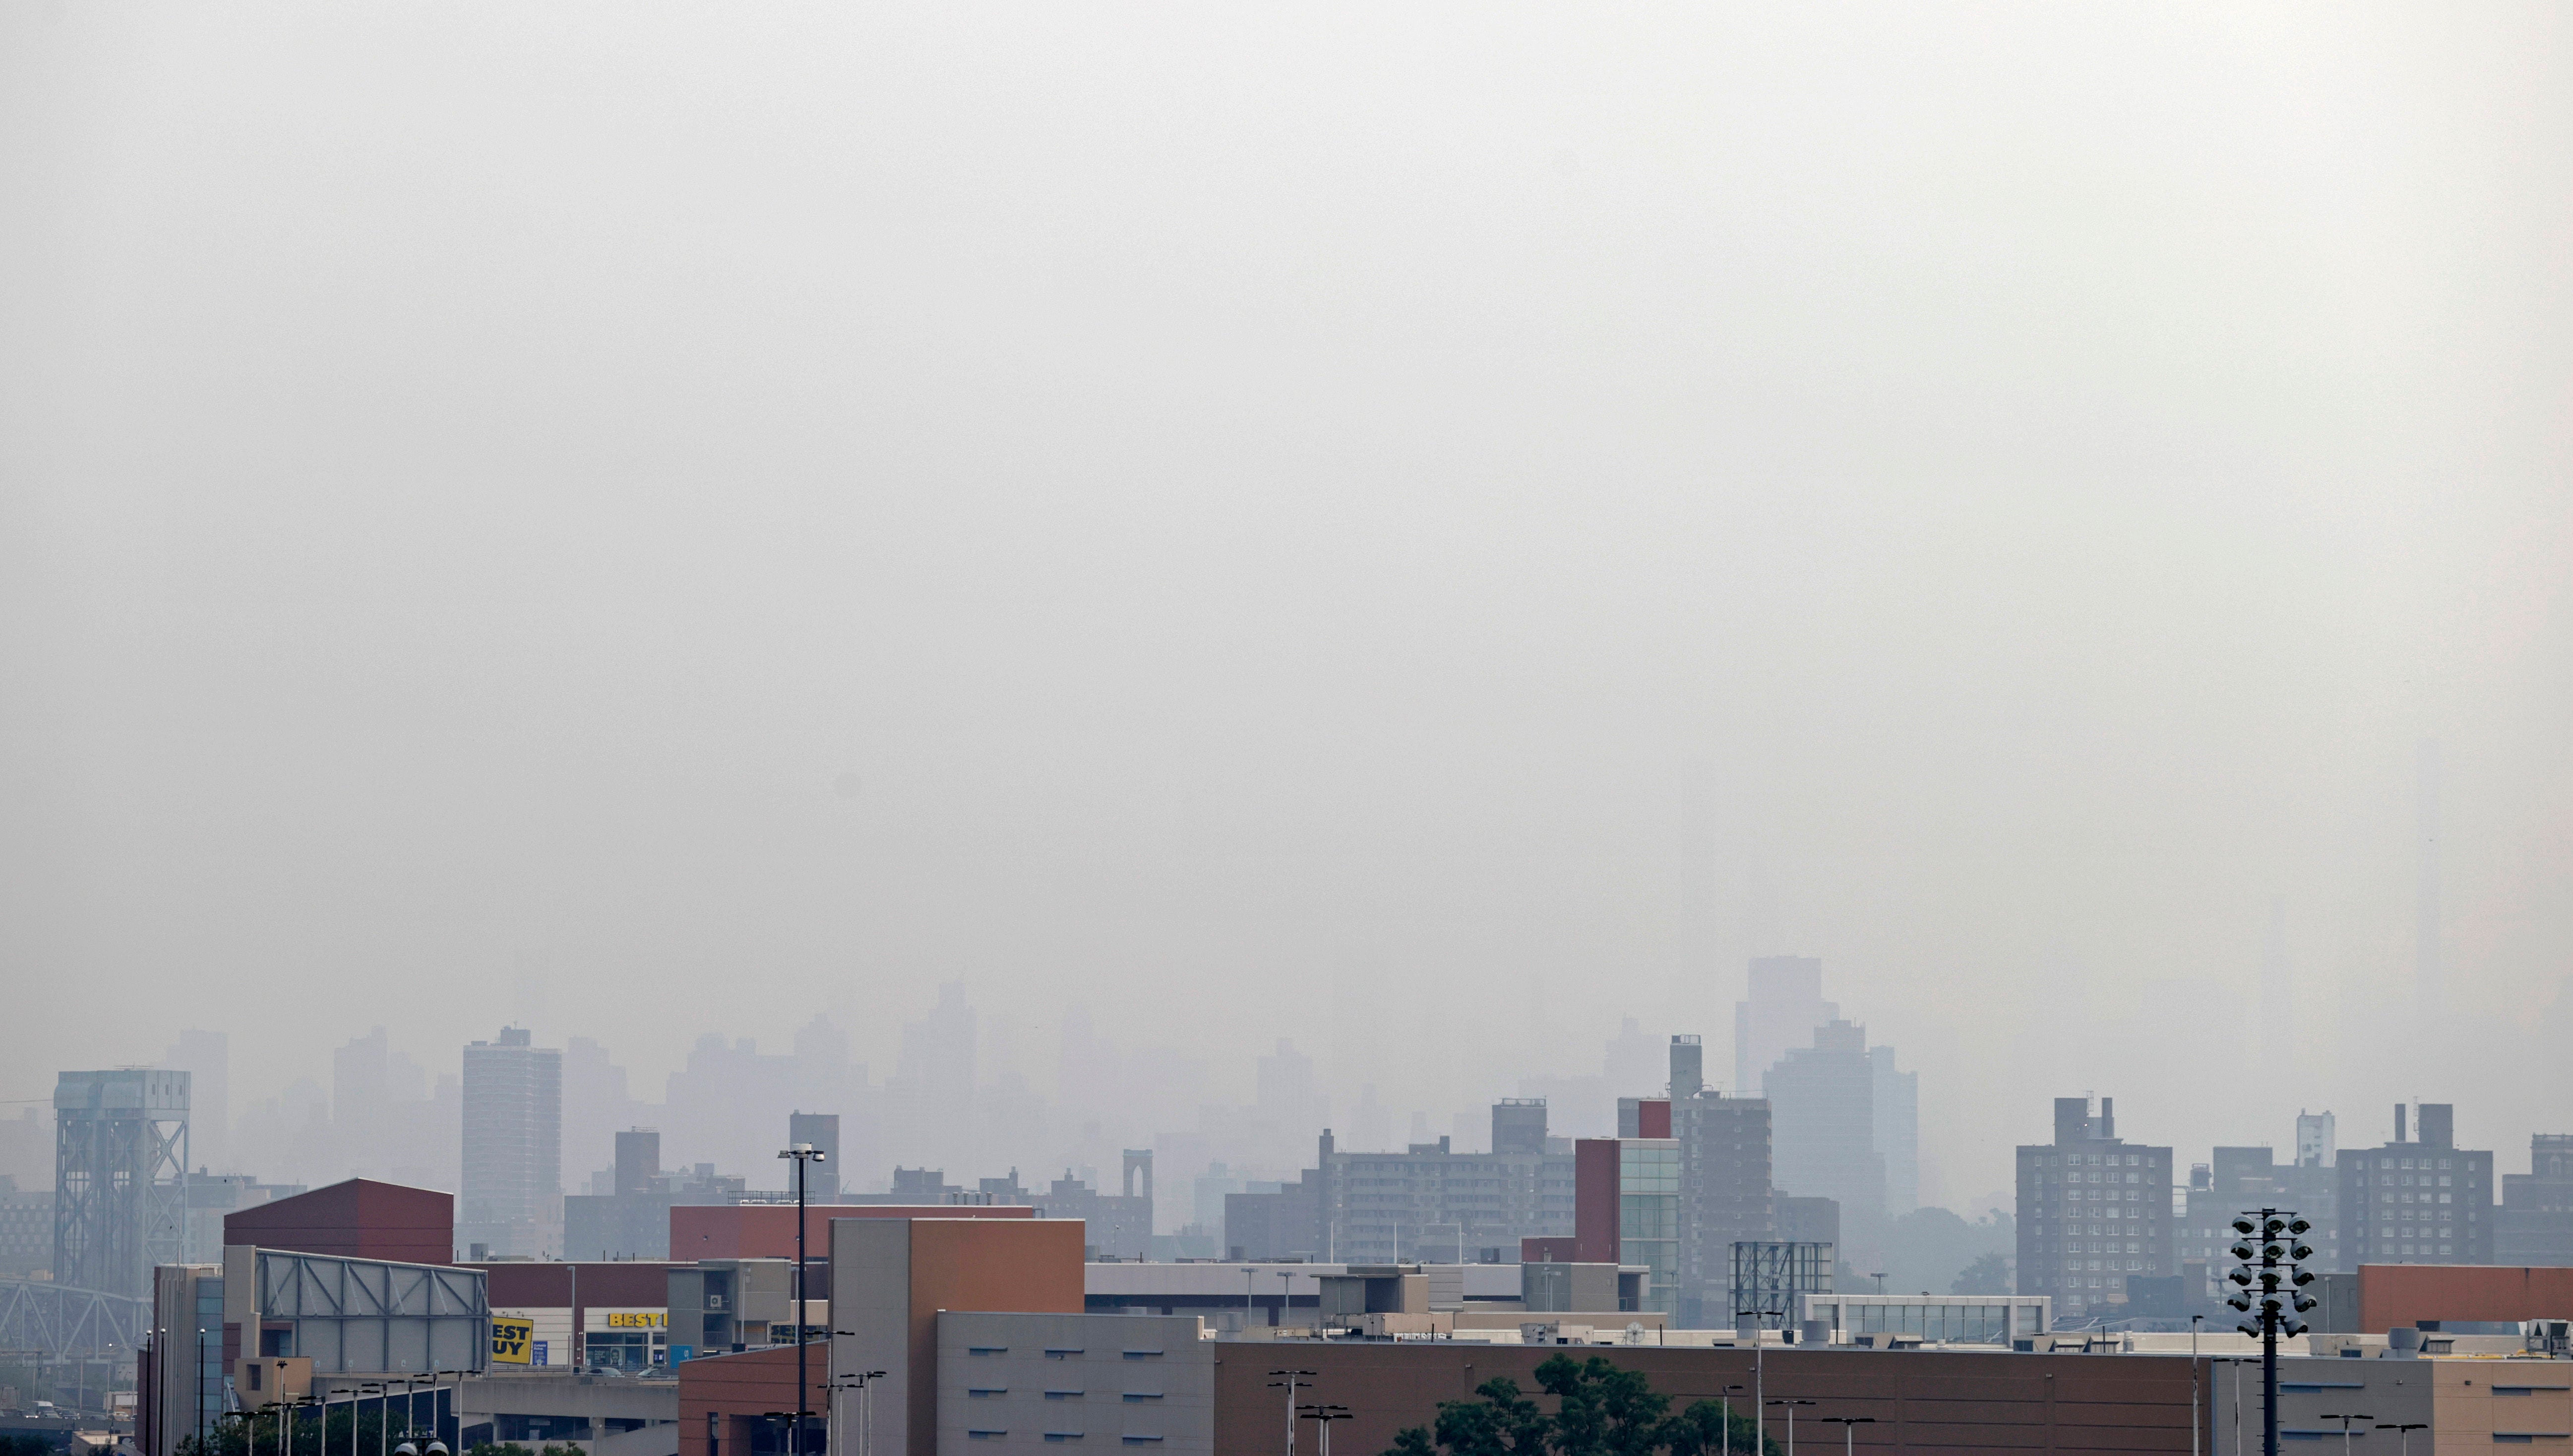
(1021, 1382)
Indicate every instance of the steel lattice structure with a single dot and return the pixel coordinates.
(120, 1178)
(56, 1321)
(1768, 1276)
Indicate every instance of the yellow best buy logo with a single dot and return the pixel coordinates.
(638, 1319)
(512, 1341)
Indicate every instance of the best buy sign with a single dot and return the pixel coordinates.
(513, 1341)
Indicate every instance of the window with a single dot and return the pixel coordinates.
(1057, 1352)
(1143, 1440)
(987, 1349)
(1065, 1394)
(1063, 1435)
(985, 1392)
(1144, 1355)
(1133, 1396)
(986, 1435)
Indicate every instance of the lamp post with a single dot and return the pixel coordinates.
(360, 1394)
(1759, 1380)
(804, 1155)
(2407, 1428)
(1791, 1420)
(1323, 1415)
(1724, 1400)
(1286, 1301)
(1289, 1385)
(2193, 1321)
(2344, 1427)
(2271, 1287)
(1247, 1276)
(1849, 1425)
(857, 1381)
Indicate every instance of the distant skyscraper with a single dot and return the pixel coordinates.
(822, 1129)
(1896, 1130)
(2317, 1139)
(120, 1178)
(2429, 983)
(1785, 1005)
(2277, 1002)
(512, 1146)
(1822, 1102)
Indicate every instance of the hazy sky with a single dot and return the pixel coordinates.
(1308, 520)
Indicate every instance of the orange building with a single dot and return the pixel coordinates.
(2391, 1296)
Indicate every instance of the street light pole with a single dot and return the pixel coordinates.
(1849, 1426)
(2408, 1430)
(2193, 1321)
(2344, 1427)
(1724, 1398)
(1759, 1380)
(1323, 1415)
(1791, 1405)
(803, 1154)
(1288, 1384)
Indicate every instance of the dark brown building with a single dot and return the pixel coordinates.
(1919, 1402)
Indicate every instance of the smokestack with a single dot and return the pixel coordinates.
(2278, 1015)
(2398, 1123)
(2107, 1117)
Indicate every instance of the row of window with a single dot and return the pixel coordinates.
(994, 1393)
(1002, 1433)
(2095, 1159)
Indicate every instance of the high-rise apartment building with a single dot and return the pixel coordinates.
(1821, 1109)
(2244, 1179)
(1847, 1119)
(2318, 1139)
(2424, 1202)
(1896, 1130)
(2094, 1210)
(1725, 1192)
(513, 1198)
(2536, 1218)
(120, 1178)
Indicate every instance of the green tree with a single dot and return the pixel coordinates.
(1601, 1409)
(1989, 1274)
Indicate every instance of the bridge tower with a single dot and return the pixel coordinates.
(120, 1178)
